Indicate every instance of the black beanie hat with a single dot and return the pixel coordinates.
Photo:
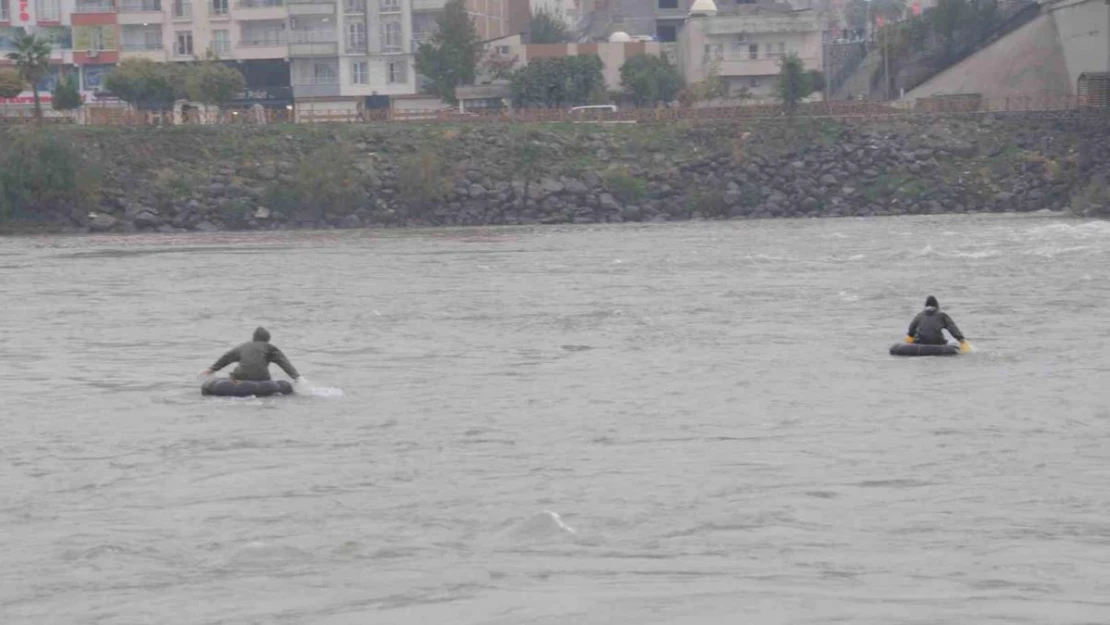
(261, 335)
(931, 302)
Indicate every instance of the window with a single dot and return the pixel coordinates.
(221, 42)
(390, 6)
(152, 39)
(782, 49)
(219, 7)
(356, 37)
(714, 51)
(668, 4)
(666, 32)
(753, 51)
(359, 73)
(323, 74)
(503, 50)
(769, 51)
(48, 10)
(391, 35)
(754, 83)
(182, 9)
(5, 15)
(397, 72)
(184, 43)
(354, 6)
(96, 39)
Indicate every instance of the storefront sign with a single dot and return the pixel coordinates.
(23, 12)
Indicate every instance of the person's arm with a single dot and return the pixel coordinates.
(280, 360)
(953, 329)
(225, 360)
(912, 332)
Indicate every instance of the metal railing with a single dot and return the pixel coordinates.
(140, 6)
(144, 46)
(259, 4)
(95, 6)
(274, 38)
(313, 36)
(856, 111)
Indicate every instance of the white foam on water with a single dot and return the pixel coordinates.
(306, 387)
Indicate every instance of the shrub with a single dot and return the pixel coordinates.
(422, 178)
(624, 186)
(1093, 200)
(37, 171)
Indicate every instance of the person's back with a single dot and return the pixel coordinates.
(927, 328)
(254, 358)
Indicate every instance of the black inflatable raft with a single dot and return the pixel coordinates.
(917, 349)
(226, 387)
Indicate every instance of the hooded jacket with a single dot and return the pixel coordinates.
(927, 325)
(254, 358)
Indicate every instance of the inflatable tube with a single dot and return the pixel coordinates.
(917, 349)
(226, 387)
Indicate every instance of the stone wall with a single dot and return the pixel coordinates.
(209, 179)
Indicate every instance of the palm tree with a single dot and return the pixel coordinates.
(32, 62)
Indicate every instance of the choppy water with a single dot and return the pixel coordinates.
(677, 424)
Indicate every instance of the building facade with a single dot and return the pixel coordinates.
(746, 44)
(333, 55)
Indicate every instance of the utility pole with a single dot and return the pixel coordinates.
(886, 63)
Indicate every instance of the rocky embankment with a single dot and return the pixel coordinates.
(211, 179)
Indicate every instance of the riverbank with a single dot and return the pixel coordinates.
(351, 176)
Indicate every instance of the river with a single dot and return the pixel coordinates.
(637, 424)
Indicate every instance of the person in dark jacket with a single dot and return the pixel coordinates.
(928, 326)
(254, 358)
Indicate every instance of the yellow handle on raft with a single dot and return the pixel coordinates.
(909, 339)
(965, 347)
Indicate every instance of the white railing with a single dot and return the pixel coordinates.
(141, 6)
(143, 46)
(249, 40)
(95, 6)
(313, 36)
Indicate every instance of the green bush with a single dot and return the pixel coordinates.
(1093, 200)
(38, 172)
(422, 178)
(624, 186)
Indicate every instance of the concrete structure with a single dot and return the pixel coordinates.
(660, 19)
(1043, 59)
(746, 44)
(612, 54)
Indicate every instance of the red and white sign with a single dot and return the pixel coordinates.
(23, 13)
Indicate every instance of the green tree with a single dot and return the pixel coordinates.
(67, 96)
(213, 83)
(705, 90)
(11, 84)
(946, 18)
(794, 83)
(558, 82)
(650, 79)
(546, 27)
(144, 83)
(32, 62)
(451, 57)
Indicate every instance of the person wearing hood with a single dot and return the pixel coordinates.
(927, 328)
(254, 358)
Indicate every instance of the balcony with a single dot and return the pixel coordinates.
(85, 7)
(260, 10)
(313, 43)
(153, 50)
(316, 89)
(354, 7)
(141, 12)
(428, 5)
(311, 7)
(262, 45)
(757, 24)
(737, 65)
(182, 11)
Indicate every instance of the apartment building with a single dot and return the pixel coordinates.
(50, 19)
(746, 43)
